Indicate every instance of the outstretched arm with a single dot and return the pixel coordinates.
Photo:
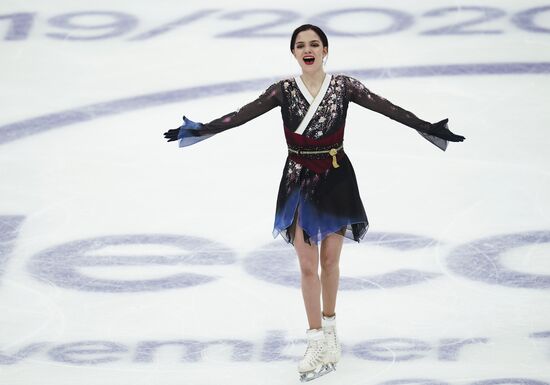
(192, 132)
(437, 133)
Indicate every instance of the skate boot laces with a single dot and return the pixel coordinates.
(314, 354)
(331, 337)
(313, 364)
(315, 351)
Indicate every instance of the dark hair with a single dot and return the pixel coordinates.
(306, 27)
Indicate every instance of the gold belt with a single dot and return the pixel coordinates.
(332, 152)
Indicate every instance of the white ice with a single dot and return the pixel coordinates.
(127, 260)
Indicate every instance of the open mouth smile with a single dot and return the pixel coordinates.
(309, 59)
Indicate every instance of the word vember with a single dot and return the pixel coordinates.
(274, 347)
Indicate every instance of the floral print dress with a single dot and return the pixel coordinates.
(318, 188)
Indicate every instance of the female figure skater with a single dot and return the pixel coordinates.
(318, 203)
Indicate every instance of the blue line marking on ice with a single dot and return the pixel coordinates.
(21, 129)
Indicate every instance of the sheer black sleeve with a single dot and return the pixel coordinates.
(360, 94)
(268, 100)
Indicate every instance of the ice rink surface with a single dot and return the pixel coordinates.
(125, 260)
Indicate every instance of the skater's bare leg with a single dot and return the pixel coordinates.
(331, 248)
(308, 257)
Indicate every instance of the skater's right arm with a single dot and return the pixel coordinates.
(192, 132)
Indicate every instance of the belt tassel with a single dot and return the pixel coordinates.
(333, 153)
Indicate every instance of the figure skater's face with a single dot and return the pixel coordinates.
(309, 51)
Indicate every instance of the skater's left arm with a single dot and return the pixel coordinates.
(437, 133)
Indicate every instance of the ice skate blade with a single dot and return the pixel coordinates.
(321, 371)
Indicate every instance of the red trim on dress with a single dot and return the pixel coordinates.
(316, 165)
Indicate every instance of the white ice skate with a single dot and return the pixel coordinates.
(314, 365)
(334, 349)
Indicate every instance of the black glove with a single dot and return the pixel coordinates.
(173, 134)
(441, 130)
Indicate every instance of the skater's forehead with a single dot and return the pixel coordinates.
(308, 34)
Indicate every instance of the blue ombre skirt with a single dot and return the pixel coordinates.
(323, 199)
